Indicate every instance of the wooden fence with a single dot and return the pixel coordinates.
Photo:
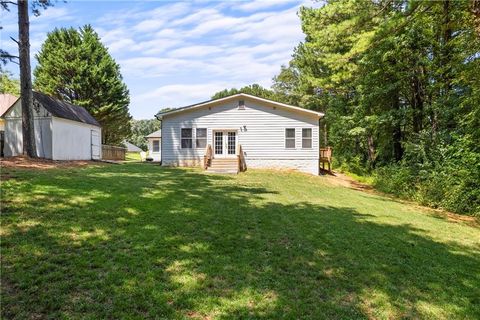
(113, 152)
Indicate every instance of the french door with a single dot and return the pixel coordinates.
(225, 143)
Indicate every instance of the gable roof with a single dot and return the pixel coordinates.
(6, 101)
(155, 134)
(65, 110)
(131, 147)
(236, 96)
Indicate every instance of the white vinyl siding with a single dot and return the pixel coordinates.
(260, 129)
(72, 140)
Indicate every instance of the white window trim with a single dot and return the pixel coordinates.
(203, 138)
(289, 138)
(311, 139)
(182, 138)
(159, 146)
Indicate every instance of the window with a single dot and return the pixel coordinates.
(156, 145)
(290, 138)
(187, 138)
(306, 138)
(201, 138)
(241, 105)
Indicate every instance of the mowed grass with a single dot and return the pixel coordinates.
(139, 241)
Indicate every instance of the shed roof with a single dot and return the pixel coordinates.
(64, 109)
(156, 134)
(131, 147)
(6, 101)
(236, 96)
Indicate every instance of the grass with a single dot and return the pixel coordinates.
(138, 241)
(132, 157)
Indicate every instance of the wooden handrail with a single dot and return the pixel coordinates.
(326, 153)
(207, 158)
(326, 157)
(242, 164)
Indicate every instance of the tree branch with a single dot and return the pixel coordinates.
(4, 3)
(14, 40)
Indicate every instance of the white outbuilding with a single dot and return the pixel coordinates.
(63, 131)
(154, 141)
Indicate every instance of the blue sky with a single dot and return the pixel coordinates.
(177, 53)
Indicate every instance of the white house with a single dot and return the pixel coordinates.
(154, 140)
(260, 133)
(62, 131)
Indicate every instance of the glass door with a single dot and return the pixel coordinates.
(218, 143)
(231, 144)
(225, 143)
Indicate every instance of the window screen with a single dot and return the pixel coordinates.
(186, 138)
(201, 138)
(290, 138)
(306, 138)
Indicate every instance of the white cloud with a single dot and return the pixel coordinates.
(178, 53)
(262, 4)
(176, 95)
(195, 51)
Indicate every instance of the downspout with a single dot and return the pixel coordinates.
(161, 138)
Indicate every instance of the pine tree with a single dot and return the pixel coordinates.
(74, 66)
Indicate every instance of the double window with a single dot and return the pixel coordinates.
(306, 138)
(187, 138)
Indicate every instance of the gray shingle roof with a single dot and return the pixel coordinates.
(64, 109)
(155, 134)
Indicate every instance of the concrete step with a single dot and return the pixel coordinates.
(221, 171)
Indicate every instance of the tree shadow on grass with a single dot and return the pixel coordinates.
(170, 243)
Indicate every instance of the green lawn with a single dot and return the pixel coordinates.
(139, 241)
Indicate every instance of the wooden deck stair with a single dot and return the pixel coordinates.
(223, 165)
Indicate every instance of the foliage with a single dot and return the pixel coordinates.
(254, 89)
(142, 241)
(142, 128)
(73, 65)
(398, 81)
(5, 5)
(8, 84)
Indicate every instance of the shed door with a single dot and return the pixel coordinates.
(95, 145)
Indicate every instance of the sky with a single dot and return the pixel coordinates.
(176, 53)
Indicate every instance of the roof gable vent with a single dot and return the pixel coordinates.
(241, 104)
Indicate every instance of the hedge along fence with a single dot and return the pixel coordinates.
(113, 152)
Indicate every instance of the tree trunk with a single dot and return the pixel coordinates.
(371, 150)
(397, 131)
(417, 99)
(29, 147)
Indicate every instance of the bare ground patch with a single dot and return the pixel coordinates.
(42, 164)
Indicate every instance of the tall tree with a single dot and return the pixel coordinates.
(26, 79)
(398, 81)
(74, 66)
(23, 42)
